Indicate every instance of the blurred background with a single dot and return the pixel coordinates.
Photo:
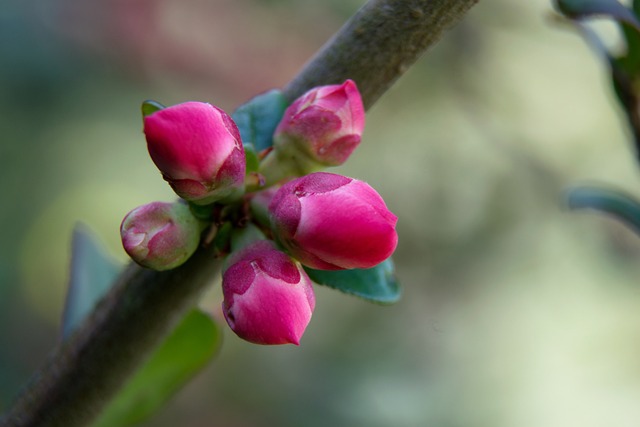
(515, 311)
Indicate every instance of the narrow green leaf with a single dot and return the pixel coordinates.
(577, 9)
(92, 273)
(150, 107)
(617, 204)
(377, 284)
(187, 350)
(258, 118)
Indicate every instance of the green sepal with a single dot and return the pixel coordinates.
(258, 118)
(92, 274)
(377, 284)
(252, 159)
(222, 240)
(194, 342)
(242, 237)
(202, 212)
(621, 206)
(149, 107)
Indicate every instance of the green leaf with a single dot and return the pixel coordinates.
(630, 62)
(187, 350)
(258, 118)
(92, 274)
(377, 284)
(577, 9)
(617, 204)
(625, 91)
(150, 107)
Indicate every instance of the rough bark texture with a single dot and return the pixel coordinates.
(83, 373)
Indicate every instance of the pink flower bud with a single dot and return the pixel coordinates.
(198, 149)
(323, 126)
(331, 222)
(160, 235)
(268, 297)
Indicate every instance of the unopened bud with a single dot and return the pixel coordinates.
(198, 149)
(319, 129)
(268, 297)
(160, 235)
(331, 222)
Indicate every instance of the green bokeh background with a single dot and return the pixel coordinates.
(515, 312)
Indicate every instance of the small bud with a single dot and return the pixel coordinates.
(325, 124)
(268, 297)
(198, 149)
(319, 129)
(160, 235)
(331, 222)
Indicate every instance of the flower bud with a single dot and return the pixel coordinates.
(331, 222)
(268, 297)
(160, 235)
(198, 149)
(322, 127)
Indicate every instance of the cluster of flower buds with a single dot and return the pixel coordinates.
(314, 219)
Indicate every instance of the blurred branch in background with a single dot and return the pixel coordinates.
(89, 367)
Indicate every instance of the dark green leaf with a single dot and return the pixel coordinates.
(150, 107)
(586, 8)
(187, 350)
(625, 92)
(377, 284)
(93, 272)
(620, 205)
(258, 118)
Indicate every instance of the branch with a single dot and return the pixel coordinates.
(87, 369)
(378, 44)
(84, 372)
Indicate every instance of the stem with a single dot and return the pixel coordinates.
(378, 44)
(84, 372)
(87, 369)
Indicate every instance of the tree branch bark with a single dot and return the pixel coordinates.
(378, 44)
(85, 371)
